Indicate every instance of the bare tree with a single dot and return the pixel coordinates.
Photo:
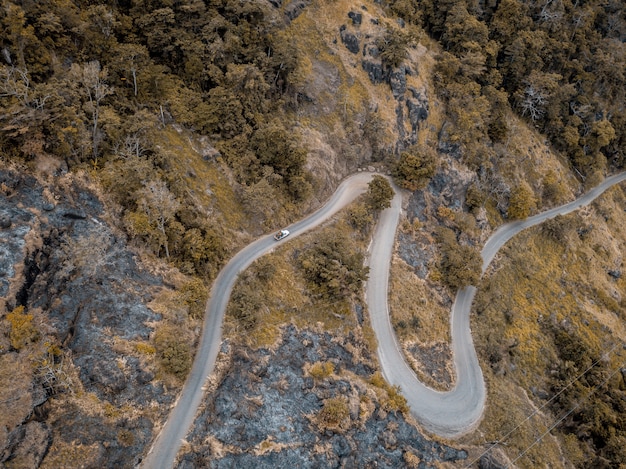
(533, 103)
(160, 205)
(93, 80)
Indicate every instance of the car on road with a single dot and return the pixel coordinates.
(281, 234)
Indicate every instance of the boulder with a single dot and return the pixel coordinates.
(295, 8)
(397, 81)
(349, 40)
(357, 18)
(374, 70)
(5, 222)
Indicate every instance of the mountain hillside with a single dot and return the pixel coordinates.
(143, 143)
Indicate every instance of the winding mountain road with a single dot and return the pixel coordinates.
(445, 413)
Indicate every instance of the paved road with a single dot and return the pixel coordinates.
(444, 413)
(166, 446)
(459, 410)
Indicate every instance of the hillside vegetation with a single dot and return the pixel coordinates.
(143, 142)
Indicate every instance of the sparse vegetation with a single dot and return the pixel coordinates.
(321, 370)
(556, 339)
(22, 329)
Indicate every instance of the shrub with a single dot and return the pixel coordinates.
(22, 331)
(334, 412)
(194, 294)
(173, 351)
(321, 370)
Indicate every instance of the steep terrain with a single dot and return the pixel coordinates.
(143, 143)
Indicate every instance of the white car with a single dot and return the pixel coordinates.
(281, 234)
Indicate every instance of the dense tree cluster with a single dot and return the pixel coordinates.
(334, 266)
(460, 265)
(415, 167)
(90, 83)
(559, 64)
(379, 194)
(591, 398)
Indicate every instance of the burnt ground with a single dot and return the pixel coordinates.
(264, 414)
(67, 268)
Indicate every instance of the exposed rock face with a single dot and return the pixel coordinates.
(397, 81)
(357, 18)
(62, 262)
(268, 402)
(295, 8)
(374, 71)
(416, 254)
(417, 105)
(350, 40)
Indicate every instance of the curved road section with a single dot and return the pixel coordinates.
(163, 452)
(445, 413)
(457, 411)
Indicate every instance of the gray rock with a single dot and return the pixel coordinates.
(341, 446)
(356, 18)
(47, 206)
(5, 222)
(75, 214)
(349, 40)
(397, 81)
(27, 445)
(295, 8)
(417, 105)
(371, 50)
(285, 413)
(374, 70)
(108, 376)
(489, 461)
(410, 253)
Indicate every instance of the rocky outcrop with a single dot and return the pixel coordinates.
(350, 40)
(60, 261)
(356, 17)
(417, 105)
(263, 413)
(295, 8)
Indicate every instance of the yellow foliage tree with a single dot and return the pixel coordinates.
(22, 329)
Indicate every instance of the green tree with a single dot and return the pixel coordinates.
(415, 167)
(360, 217)
(393, 47)
(334, 266)
(93, 78)
(173, 350)
(460, 265)
(379, 193)
(521, 202)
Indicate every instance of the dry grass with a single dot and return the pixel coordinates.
(207, 183)
(537, 284)
(420, 318)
